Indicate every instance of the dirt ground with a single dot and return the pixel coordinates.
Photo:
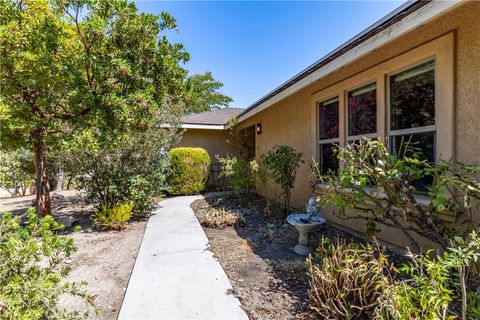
(104, 259)
(267, 276)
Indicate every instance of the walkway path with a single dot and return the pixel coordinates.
(175, 276)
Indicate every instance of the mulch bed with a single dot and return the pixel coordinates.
(267, 276)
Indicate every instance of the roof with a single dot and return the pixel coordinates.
(408, 16)
(216, 119)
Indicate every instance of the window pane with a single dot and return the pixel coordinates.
(412, 98)
(362, 110)
(328, 114)
(328, 158)
(424, 144)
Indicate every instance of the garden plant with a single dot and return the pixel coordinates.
(383, 189)
(189, 170)
(33, 270)
(282, 163)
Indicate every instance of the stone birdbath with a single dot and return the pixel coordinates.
(306, 223)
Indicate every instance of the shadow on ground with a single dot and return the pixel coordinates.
(267, 276)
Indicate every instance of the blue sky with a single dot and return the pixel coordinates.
(253, 47)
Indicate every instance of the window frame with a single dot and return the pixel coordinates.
(334, 141)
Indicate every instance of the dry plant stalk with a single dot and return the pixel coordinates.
(220, 218)
(348, 283)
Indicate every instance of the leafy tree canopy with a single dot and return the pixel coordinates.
(202, 94)
(69, 65)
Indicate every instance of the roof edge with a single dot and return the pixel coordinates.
(202, 126)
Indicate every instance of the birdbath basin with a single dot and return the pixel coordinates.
(304, 224)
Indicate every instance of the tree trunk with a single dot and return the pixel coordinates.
(42, 203)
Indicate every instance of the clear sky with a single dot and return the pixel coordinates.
(253, 47)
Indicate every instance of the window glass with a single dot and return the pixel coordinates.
(412, 97)
(362, 110)
(328, 158)
(328, 119)
(424, 145)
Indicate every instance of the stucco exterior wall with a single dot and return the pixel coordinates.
(453, 40)
(214, 141)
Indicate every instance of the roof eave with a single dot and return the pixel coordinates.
(202, 126)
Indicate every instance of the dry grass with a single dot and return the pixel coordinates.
(221, 218)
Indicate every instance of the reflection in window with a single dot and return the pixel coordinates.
(412, 115)
(328, 158)
(412, 98)
(328, 114)
(362, 111)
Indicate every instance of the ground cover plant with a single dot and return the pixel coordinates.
(32, 270)
(113, 218)
(189, 170)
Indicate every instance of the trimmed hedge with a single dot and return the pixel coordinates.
(189, 170)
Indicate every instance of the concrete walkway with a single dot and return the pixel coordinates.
(175, 276)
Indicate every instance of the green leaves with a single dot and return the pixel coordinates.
(282, 163)
(201, 94)
(383, 188)
(32, 271)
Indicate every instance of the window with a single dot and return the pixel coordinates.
(362, 112)
(328, 134)
(412, 112)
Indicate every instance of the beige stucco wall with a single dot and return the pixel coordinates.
(214, 141)
(453, 40)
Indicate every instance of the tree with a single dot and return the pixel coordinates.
(201, 94)
(67, 66)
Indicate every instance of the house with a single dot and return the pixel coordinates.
(209, 130)
(416, 72)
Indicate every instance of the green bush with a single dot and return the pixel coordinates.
(32, 273)
(131, 168)
(189, 170)
(242, 173)
(282, 162)
(437, 286)
(113, 218)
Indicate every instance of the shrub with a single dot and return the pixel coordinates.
(241, 172)
(130, 168)
(383, 188)
(436, 286)
(348, 282)
(113, 218)
(32, 274)
(220, 218)
(189, 170)
(282, 163)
